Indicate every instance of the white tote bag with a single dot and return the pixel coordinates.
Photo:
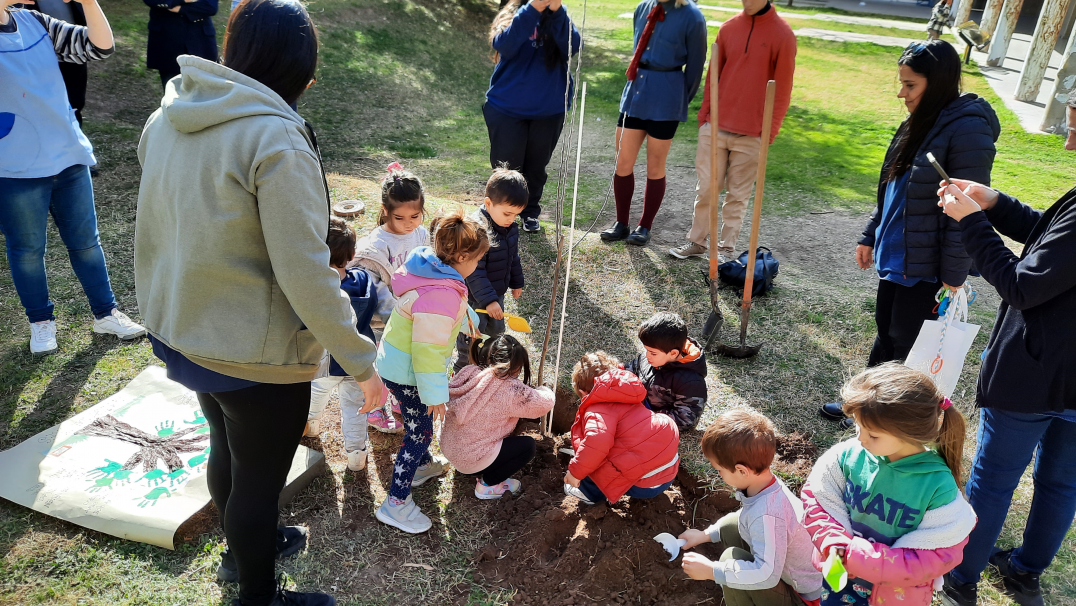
(942, 344)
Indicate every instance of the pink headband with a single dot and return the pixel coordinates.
(392, 167)
(946, 403)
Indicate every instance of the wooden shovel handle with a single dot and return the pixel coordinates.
(760, 184)
(715, 194)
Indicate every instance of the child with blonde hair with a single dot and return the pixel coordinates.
(889, 500)
(415, 350)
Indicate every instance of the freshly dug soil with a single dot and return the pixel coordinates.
(555, 550)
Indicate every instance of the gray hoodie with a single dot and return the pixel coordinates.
(231, 265)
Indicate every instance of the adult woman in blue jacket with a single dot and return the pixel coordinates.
(179, 27)
(1027, 385)
(525, 103)
(44, 166)
(663, 77)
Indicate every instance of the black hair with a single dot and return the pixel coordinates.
(504, 354)
(665, 331)
(507, 186)
(275, 43)
(341, 241)
(939, 63)
(399, 187)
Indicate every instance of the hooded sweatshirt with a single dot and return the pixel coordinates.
(431, 307)
(482, 411)
(903, 523)
(231, 265)
(618, 442)
(677, 389)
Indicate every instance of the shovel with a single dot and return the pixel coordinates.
(516, 323)
(744, 350)
(716, 319)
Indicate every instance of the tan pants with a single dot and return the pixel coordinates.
(737, 165)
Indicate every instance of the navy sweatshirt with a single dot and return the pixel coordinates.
(1030, 361)
(522, 86)
(358, 285)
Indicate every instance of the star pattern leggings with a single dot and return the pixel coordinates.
(418, 434)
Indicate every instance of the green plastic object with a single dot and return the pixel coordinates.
(834, 572)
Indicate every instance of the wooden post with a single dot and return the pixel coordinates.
(999, 42)
(990, 17)
(963, 12)
(1042, 44)
(1054, 119)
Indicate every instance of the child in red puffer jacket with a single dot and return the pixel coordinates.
(621, 447)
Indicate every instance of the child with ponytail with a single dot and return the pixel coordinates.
(487, 398)
(889, 501)
(415, 350)
(382, 251)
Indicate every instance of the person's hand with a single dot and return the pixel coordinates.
(984, 196)
(840, 552)
(373, 391)
(540, 5)
(698, 566)
(517, 293)
(571, 480)
(494, 310)
(952, 288)
(437, 411)
(864, 256)
(554, 5)
(957, 204)
(693, 538)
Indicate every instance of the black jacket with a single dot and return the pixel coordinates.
(500, 269)
(188, 32)
(962, 141)
(1030, 362)
(677, 389)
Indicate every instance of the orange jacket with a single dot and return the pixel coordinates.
(752, 50)
(618, 440)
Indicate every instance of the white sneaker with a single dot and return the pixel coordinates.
(43, 337)
(405, 516)
(313, 428)
(116, 323)
(356, 459)
(572, 491)
(430, 470)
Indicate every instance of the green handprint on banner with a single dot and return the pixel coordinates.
(166, 429)
(200, 460)
(154, 477)
(151, 497)
(198, 419)
(177, 477)
(106, 470)
(122, 476)
(101, 484)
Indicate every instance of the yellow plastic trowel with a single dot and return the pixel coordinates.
(516, 323)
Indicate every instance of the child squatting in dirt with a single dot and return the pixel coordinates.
(673, 369)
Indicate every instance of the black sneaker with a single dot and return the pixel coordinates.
(955, 593)
(295, 598)
(639, 237)
(832, 411)
(1022, 587)
(531, 225)
(289, 540)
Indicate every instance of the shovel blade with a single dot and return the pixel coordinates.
(517, 323)
(741, 351)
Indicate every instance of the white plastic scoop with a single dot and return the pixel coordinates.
(671, 544)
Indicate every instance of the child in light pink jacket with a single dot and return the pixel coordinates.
(486, 399)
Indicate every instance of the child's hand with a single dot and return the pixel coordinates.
(571, 480)
(698, 566)
(494, 310)
(517, 293)
(437, 411)
(693, 538)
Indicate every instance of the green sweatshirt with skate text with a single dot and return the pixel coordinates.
(887, 499)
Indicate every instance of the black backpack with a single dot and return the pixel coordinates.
(734, 273)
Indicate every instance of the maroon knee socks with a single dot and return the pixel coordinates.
(652, 197)
(623, 190)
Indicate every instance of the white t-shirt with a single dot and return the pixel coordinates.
(382, 253)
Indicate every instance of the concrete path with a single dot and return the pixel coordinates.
(905, 25)
(1005, 78)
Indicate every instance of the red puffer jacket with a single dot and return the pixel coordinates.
(617, 440)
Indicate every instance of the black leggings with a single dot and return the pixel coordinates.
(516, 451)
(254, 433)
(899, 314)
(526, 146)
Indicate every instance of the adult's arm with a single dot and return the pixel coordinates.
(294, 233)
(519, 31)
(1047, 270)
(971, 157)
(783, 74)
(1013, 218)
(560, 33)
(77, 43)
(198, 9)
(695, 39)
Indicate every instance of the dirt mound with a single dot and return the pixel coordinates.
(554, 550)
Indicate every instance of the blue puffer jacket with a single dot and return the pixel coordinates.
(500, 269)
(962, 141)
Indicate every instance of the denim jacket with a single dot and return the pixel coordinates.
(679, 40)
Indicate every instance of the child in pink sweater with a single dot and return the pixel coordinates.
(486, 399)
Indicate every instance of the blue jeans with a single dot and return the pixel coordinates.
(1007, 440)
(593, 493)
(25, 205)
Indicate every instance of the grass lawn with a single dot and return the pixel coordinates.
(405, 80)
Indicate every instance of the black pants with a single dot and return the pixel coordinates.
(487, 325)
(526, 146)
(516, 451)
(254, 433)
(75, 77)
(167, 75)
(899, 314)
